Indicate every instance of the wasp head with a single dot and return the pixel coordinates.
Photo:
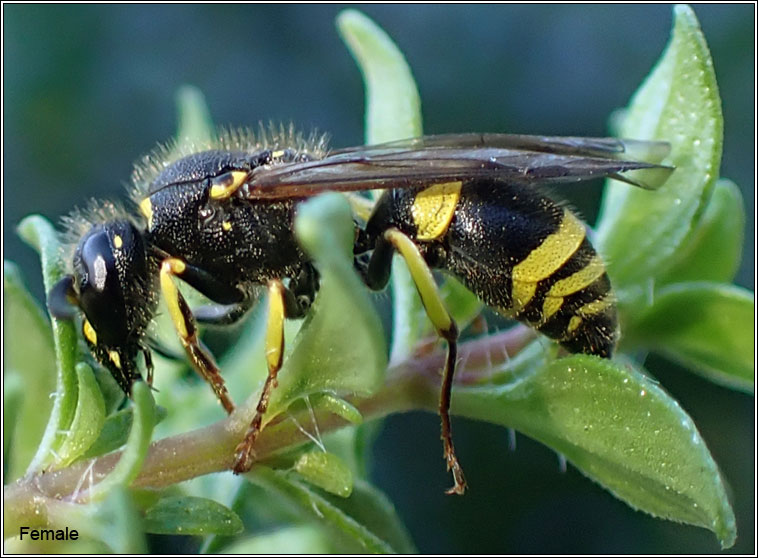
(111, 285)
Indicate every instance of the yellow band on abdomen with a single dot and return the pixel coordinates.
(433, 209)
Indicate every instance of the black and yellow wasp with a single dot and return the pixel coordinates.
(220, 218)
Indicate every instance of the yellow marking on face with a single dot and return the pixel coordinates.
(554, 251)
(225, 185)
(146, 208)
(433, 209)
(521, 293)
(595, 307)
(226, 225)
(551, 305)
(89, 332)
(579, 280)
(574, 323)
(118, 242)
(115, 358)
(170, 267)
(275, 328)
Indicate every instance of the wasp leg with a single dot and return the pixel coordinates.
(222, 314)
(148, 365)
(277, 296)
(184, 322)
(377, 276)
(302, 289)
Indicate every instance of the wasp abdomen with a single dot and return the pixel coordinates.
(529, 258)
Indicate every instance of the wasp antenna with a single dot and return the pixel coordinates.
(61, 300)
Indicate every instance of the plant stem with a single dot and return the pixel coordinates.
(411, 384)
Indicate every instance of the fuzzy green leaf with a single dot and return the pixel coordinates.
(39, 233)
(639, 231)
(29, 363)
(135, 451)
(393, 112)
(195, 123)
(88, 418)
(349, 533)
(188, 515)
(709, 327)
(340, 347)
(393, 106)
(327, 471)
(339, 407)
(118, 524)
(371, 507)
(714, 249)
(300, 539)
(619, 428)
(115, 431)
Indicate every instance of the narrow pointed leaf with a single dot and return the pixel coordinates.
(340, 347)
(300, 539)
(714, 249)
(393, 106)
(88, 418)
(393, 112)
(709, 327)
(118, 524)
(135, 451)
(640, 231)
(39, 233)
(195, 123)
(189, 515)
(348, 533)
(327, 471)
(29, 363)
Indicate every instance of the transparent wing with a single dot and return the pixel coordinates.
(420, 161)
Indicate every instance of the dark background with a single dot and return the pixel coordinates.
(88, 89)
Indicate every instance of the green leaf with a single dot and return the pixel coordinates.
(462, 304)
(118, 524)
(348, 533)
(339, 407)
(39, 233)
(189, 515)
(640, 231)
(709, 327)
(88, 418)
(195, 123)
(300, 539)
(618, 427)
(393, 106)
(327, 471)
(393, 112)
(115, 431)
(340, 347)
(371, 507)
(714, 249)
(135, 451)
(28, 371)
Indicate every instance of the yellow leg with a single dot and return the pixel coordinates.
(446, 328)
(244, 453)
(181, 315)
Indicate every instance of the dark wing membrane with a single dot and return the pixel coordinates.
(649, 151)
(431, 159)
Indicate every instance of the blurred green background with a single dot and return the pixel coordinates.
(88, 89)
